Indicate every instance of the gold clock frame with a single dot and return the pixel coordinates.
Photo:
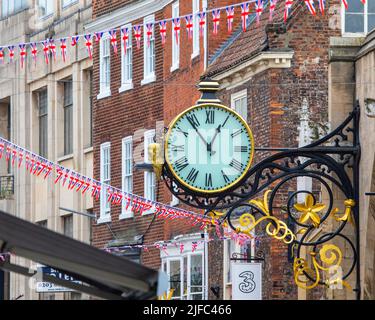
(175, 175)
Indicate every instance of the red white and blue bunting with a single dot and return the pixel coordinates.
(241, 10)
(74, 181)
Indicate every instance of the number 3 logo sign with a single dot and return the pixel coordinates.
(248, 285)
(246, 281)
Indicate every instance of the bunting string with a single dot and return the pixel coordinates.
(74, 181)
(241, 240)
(182, 246)
(49, 46)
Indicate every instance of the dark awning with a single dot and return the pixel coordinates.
(104, 274)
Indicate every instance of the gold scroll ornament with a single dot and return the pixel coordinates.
(275, 228)
(331, 256)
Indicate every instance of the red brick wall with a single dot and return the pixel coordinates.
(124, 113)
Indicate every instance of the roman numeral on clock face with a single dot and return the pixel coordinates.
(177, 148)
(192, 176)
(181, 131)
(208, 180)
(210, 116)
(241, 149)
(181, 164)
(226, 179)
(225, 121)
(236, 133)
(236, 165)
(193, 120)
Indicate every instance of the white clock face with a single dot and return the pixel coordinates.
(209, 148)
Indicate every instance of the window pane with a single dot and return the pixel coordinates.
(354, 23)
(68, 92)
(43, 123)
(175, 277)
(68, 226)
(68, 117)
(185, 277)
(371, 6)
(355, 6)
(196, 275)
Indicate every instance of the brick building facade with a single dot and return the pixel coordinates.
(130, 110)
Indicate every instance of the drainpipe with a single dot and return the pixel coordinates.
(205, 38)
(206, 263)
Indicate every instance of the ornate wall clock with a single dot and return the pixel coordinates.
(209, 148)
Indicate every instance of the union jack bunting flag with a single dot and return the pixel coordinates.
(14, 153)
(216, 20)
(11, 53)
(22, 54)
(125, 38)
(138, 35)
(74, 40)
(8, 152)
(2, 146)
(88, 44)
(2, 55)
(20, 157)
(113, 34)
(63, 48)
(72, 181)
(87, 184)
(163, 31)
(98, 36)
(272, 8)
(202, 22)
(176, 28)
(96, 187)
(244, 15)
(230, 17)
(66, 176)
(288, 6)
(189, 25)
(322, 4)
(345, 3)
(149, 32)
(310, 5)
(34, 52)
(52, 48)
(48, 170)
(258, 9)
(45, 51)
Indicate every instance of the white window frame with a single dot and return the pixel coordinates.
(48, 13)
(105, 89)
(148, 77)
(149, 176)
(196, 40)
(354, 34)
(237, 96)
(175, 44)
(174, 255)
(125, 214)
(126, 81)
(105, 211)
